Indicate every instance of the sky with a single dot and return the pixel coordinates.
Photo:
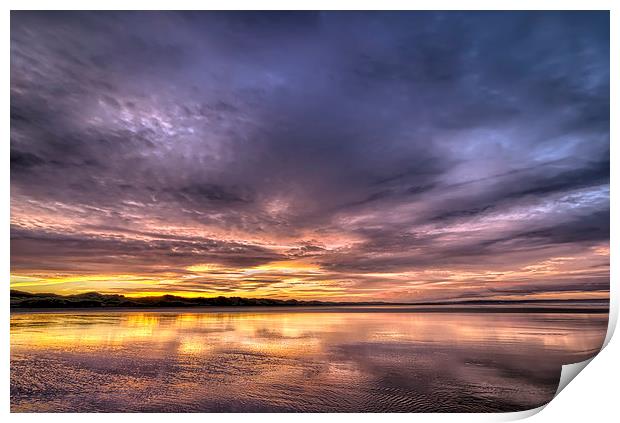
(403, 156)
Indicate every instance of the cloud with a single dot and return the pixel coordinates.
(390, 142)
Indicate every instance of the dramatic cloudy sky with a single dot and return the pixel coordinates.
(387, 156)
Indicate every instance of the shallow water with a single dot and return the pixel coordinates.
(293, 360)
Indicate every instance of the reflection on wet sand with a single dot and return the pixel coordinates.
(286, 360)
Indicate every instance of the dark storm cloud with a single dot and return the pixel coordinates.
(481, 250)
(63, 251)
(392, 129)
(529, 183)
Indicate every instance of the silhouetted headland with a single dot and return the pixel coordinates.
(26, 300)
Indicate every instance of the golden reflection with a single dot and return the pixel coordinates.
(197, 361)
(297, 333)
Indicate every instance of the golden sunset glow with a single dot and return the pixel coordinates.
(307, 280)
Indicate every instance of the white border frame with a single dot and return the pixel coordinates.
(592, 396)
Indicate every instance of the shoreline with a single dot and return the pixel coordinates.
(316, 309)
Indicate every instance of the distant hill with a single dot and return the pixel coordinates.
(28, 300)
(21, 299)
